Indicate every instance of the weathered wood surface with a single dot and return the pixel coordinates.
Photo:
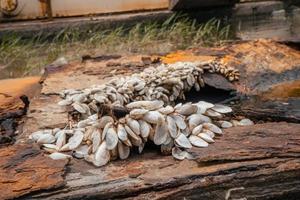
(261, 161)
(24, 169)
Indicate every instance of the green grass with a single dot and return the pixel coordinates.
(26, 56)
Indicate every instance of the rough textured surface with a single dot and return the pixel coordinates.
(257, 162)
(261, 161)
(24, 169)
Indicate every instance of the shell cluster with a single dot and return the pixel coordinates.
(165, 82)
(151, 115)
(174, 129)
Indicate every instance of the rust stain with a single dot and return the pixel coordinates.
(283, 90)
(23, 169)
(12, 89)
(185, 56)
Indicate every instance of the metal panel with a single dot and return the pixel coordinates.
(32, 9)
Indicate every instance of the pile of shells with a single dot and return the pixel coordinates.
(148, 100)
(165, 82)
(174, 129)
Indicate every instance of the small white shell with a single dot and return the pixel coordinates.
(206, 137)
(59, 156)
(137, 113)
(105, 120)
(212, 128)
(197, 141)
(111, 139)
(81, 151)
(197, 119)
(123, 151)
(75, 140)
(96, 139)
(153, 117)
(197, 129)
(183, 141)
(134, 125)
(181, 155)
(161, 133)
(221, 109)
(145, 128)
(179, 122)
(187, 109)
(172, 127)
(65, 102)
(46, 139)
(102, 155)
(246, 122)
(148, 105)
(166, 110)
(225, 124)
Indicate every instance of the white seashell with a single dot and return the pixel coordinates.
(166, 110)
(111, 139)
(65, 102)
(153, 117)
(102, 155)
(96, 139)
(105, 120)
(206, 137)
(100, 98)
(105, 129)
(181, 155)
(79, 107)
(134, 125)
(212, 113)
(75, 140)
(161, 133)
(197, 119)
(46, 139)
(172, 127)
(209, 133)
(246, 122)
(225, 124)
(36, 135)
(204, 105)
(221, 109)
(59, 156)
(148, 105)
(197, 130)
(197, 141)
(145, 128)
(81, 151)
(212, 128)
(61, 139)
(51, 146)
(183, 141)
(179, 121)
(187, 109)
(137, 113)
(134, 139)
(123, 151)
(122, 134)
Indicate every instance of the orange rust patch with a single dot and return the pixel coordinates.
(184, 56)
(12, 89)
(284, 90)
